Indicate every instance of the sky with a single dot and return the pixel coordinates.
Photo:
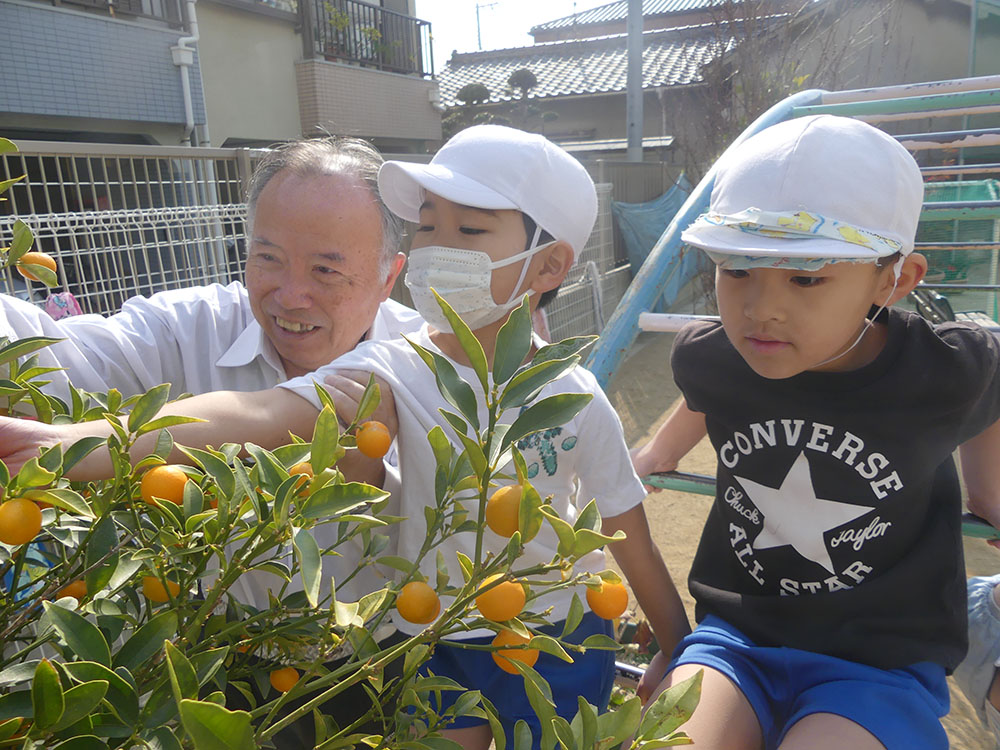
(502, 23)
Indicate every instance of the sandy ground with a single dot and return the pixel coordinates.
(642, 392)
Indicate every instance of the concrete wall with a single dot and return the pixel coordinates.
(248, 69)
(350, 100)
(62, 63)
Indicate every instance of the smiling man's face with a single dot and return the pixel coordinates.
(312, 267)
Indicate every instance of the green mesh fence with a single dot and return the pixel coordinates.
(968, 265)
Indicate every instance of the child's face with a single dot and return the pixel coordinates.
(784, 321)
(500, 234)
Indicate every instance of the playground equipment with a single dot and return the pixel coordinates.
(960, 222)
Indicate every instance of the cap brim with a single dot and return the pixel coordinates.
(403, 186)
(731, 241)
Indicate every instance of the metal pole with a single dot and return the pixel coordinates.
(633, 91)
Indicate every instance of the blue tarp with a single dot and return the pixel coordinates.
(642, 224)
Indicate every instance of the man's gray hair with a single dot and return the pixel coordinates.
(333, 155)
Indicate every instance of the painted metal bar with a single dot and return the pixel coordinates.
(950, 139)
(962, 287)
(926, 103)
(922, 246)
(990, 210)
(962, 169)
(899, 117)
(669, 322)
(980, 83)
(648, 284)
(700, 484)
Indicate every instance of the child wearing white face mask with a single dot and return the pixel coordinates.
(501, 213)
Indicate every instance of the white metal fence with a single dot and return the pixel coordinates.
(127, 220)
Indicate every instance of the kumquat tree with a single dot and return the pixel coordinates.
(119, 627)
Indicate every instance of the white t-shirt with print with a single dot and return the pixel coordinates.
(584, 459)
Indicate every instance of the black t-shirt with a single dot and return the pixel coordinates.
(836, 526)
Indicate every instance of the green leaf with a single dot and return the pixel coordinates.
(618, 725)
(163, 738)
(442, 447)
(513, 343)
(47, 700)
(562, 349)
(215, 467)
(553, 411)
(334, 499)
(525, 386)
(550, 645)
(467, 340)
(9, 147)
(148, 405)
(16, 705)
(455, 391)
(474, 452)
(121, 693)
(466, 564)
(80, 701)
(673, 707)
(310, 565)
(540, 697)
(588, 722)
(271, 473)
(529, 514)
(83, 637)
(33, 475)
(183, 681)
(499, 736)
(567, 537)
(83, 742)
(602, 642)
(522, 735)
(587, 541)
(162, 423)
(345, 614)
(8, 727)
(21, 243)
(213, 727)
(103, 540)
(147, 641)
(564, 734)
(23, 347)
(63, 498)
(369, 400)
(80, 449)
(325, 441)
(44, 274)
(574, 617)
(589, 518)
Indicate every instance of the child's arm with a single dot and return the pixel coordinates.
(647, 574)
(675, 438)
(262, 417)
(981, 472)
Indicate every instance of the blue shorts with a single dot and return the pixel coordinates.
(591, 675)
(900, 707)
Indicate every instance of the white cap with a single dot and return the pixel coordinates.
(495, 167)
(813, 187)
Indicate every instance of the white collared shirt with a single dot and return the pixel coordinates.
(199, 339)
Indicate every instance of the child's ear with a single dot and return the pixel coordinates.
(556, 261)
(911, 274)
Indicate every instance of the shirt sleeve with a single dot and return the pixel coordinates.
(977, 373)
(605, 468)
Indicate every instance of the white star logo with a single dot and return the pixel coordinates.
(793, 515)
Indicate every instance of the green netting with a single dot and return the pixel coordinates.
(967, 265)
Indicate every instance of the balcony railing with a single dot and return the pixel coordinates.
(358, 32)
(163, 10)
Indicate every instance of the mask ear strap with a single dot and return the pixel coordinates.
(532, 249)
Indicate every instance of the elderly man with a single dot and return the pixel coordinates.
(323, 254)
(322, 257)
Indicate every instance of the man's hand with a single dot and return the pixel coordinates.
(347, 386)
(646, 461)
(22, 439)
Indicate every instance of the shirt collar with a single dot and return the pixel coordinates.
(248, 346)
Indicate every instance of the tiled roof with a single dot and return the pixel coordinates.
(580, 67)
(618, 11)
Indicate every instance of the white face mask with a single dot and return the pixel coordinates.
(464, 279)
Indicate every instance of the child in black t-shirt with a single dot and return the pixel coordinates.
(834, 419)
